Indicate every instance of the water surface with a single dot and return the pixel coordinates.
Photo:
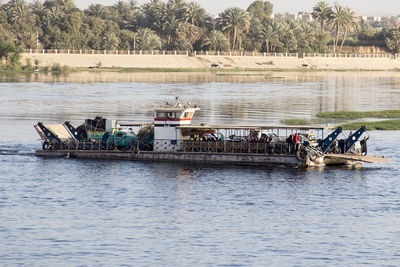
(81, 212)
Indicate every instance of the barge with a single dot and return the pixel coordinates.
(172, 137)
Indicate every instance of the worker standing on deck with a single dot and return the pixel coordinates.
(296, 140)
(300, 141)
(363, 144)
(290, 142)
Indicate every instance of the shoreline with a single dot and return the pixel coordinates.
(110, 75)
(200, 63)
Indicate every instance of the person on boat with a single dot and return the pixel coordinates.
(263, 138)
(290, 141)
(350, 134)
(299, 141)
(363, 144)
(296, 141)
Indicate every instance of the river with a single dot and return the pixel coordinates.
(90, 213)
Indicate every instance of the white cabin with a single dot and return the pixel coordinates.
(166, 120)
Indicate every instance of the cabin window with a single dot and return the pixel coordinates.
(161, 115)
(188, 115)
(171, 115)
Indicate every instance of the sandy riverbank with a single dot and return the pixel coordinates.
(204, 62)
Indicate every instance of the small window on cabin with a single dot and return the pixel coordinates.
(171, 115)
(160, 115)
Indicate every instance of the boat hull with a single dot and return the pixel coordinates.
(195, 157)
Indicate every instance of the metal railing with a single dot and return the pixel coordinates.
(83, 145)
(350, 55)
(208, 53)
(158, 53)
(217, 146)
(204, 146)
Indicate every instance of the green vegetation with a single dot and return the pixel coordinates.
(360, 115)
(377, 125)
(322, 118)
(127, 70)
(10, 54)
(28, 65)
(243, 74)
(179, 25)
(297, 122)
(58, 69)
(393, 40)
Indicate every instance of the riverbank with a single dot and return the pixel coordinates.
(203, 62)
(342, 117)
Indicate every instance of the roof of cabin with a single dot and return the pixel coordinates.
(255, 127)
(175, 109)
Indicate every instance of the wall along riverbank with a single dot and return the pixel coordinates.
(201, 62)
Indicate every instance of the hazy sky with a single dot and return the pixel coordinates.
(214, 7)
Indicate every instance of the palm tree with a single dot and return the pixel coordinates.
(148, 39)
(195, 14)
(261, 9)
(170, 27)
(351, 23)
(54, 14)
(19, 12)
(234, 20)
(321, 12)
(268, 34)
(168, 17)
(278, 30)
(37, 7)
(96, 10)
(121, 8)
(183, 44)
(28, 39)
(151, 12)
(133, 6)
(305, 36)
(180, 8)
(173, 8)
(111, 41)
(189, 32)
(216, 41)
(67, 5)
(8, 8)
(337, 19)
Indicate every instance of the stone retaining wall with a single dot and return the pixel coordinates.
(201, 62)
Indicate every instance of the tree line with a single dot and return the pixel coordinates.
(181, 25)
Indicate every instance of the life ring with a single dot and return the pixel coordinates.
(46, 146)
(302, 155)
